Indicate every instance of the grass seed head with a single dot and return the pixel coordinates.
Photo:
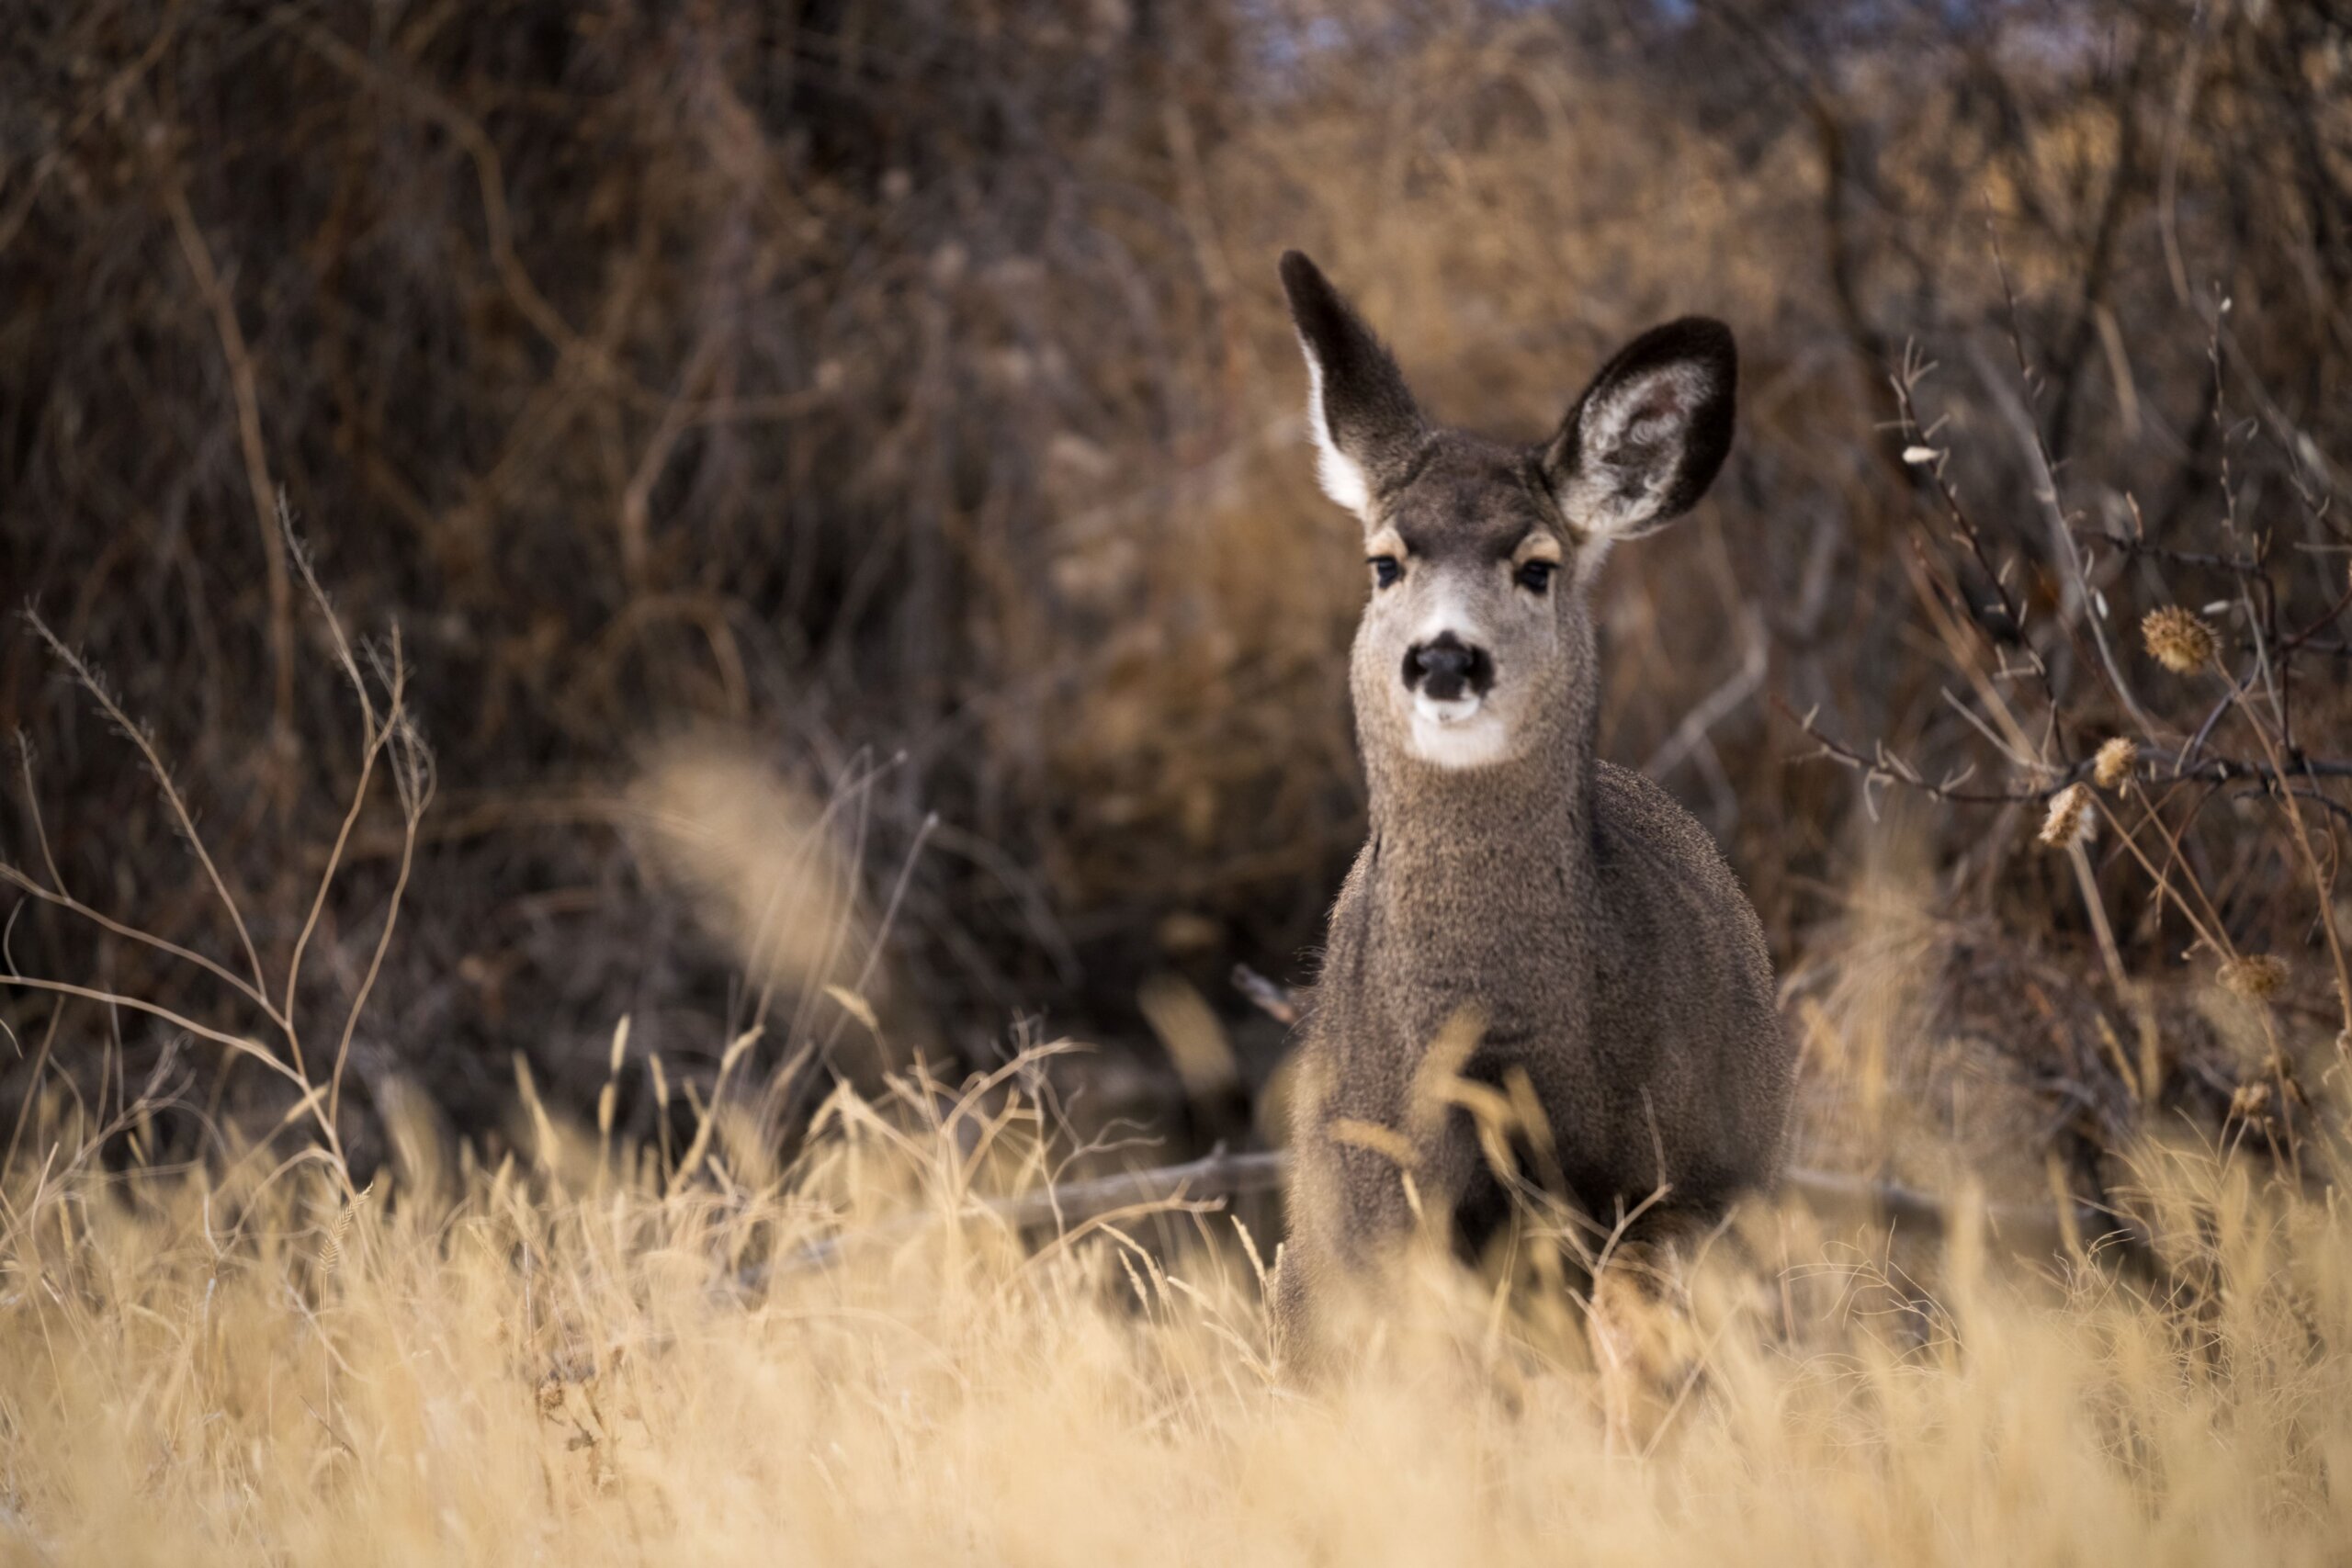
(2249, 1101)
(2180, 642)
(2115, 761)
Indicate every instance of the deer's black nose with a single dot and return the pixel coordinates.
(1446, 667)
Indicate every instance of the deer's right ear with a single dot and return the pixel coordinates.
(1645, 440)
(1366, 425)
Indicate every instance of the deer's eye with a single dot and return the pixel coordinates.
(1385, 571)
(1535, 576)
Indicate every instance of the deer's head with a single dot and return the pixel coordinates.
(1476, 643)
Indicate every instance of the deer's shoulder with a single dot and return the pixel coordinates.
(1647, 847)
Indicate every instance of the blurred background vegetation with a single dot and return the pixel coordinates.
(901, 388)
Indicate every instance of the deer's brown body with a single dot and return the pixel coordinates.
(1564, 913)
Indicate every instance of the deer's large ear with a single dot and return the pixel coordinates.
(1366, 425)
(1643, 443)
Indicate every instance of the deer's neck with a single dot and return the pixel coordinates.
(1475, 873)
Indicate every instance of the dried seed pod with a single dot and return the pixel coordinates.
(2179, 640)
(2256, 976)
(2115, 761)
(2071, 820)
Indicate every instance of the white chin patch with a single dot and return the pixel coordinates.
(1460, 733)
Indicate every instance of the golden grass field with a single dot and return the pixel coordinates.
(559, 1362)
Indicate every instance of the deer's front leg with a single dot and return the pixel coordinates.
(1644, 1343)
(1361, 1192)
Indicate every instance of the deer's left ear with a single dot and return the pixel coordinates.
(1643, 443)
(1365, 423)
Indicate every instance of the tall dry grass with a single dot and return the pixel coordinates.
(576, 1356)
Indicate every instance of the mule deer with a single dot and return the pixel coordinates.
(1563, 922)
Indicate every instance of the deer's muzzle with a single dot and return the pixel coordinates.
(1446, 669)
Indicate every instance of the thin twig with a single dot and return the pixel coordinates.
(1889, 769)
(88, 680)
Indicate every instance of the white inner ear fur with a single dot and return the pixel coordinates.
(1644, 419)
(1341, 477)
